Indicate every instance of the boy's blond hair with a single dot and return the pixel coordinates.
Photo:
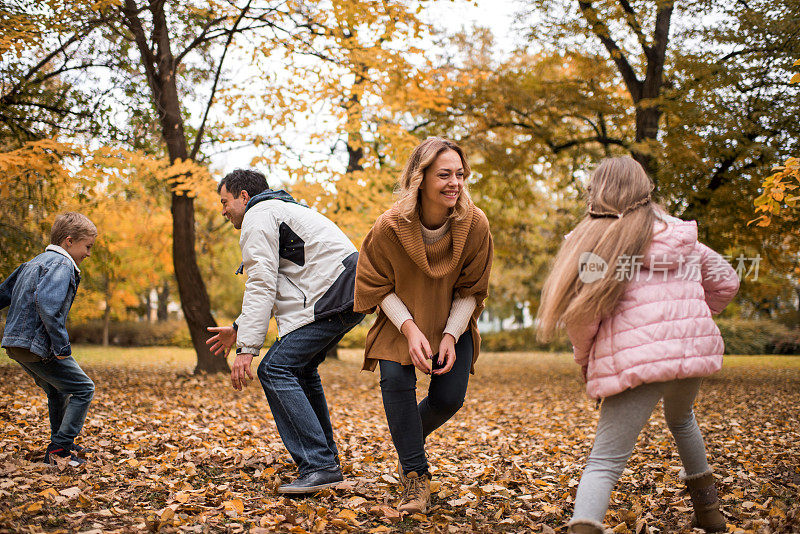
(73, 224)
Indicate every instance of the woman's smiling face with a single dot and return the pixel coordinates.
(442, 183)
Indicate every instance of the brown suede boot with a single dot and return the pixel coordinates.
(400, 476)
(703, 492)
(585, 526)
(416, 494)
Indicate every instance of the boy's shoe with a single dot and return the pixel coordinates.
(313, 482)
(56, 451)
(416, 494)
(81, 451)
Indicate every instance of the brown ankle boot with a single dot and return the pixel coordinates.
(416, 494)
(584, 526)
(703, 492)
(400, 475)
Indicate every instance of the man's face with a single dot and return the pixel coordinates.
(233, 207)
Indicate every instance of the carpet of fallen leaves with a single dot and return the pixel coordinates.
(182, 453)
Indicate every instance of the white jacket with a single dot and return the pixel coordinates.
(300, 268)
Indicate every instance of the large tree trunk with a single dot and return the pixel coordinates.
(642, 91)
(159, 65)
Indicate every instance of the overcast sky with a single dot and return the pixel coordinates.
(449, 15)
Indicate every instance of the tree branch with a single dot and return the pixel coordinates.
(633, 24)
(200, 130)
(199, 39)
(148, 59)
(601, 30)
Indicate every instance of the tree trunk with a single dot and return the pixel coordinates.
(148, 305)
(655, 52)
(106, 313)
(159, 65)
(646, 130)
(162, 312)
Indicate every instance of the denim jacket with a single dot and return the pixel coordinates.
(40, 293)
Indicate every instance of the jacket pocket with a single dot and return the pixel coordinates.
(295, 288)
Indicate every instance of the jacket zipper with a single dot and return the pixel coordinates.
(297, 288)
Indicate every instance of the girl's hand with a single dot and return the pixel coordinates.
(418, 347)
(584, 370)
(447, 354)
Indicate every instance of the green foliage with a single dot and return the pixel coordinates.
(522, 340)
(132, 333)
(741, 336)
(758, 337)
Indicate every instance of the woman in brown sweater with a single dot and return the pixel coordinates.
(425, 266)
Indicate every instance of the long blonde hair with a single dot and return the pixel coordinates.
(410, 180)
(618, 224)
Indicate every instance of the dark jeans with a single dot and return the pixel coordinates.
(69, 393)
(288, 374)
(409, 423)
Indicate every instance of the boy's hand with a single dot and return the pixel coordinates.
(222, 342)
(447, 354)
(240, 373)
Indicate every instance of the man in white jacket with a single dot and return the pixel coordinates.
(301, 269)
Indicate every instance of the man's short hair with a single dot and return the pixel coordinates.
(72, 224)
(244, 180)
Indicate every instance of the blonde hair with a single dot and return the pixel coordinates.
(618, 224)
(410, 181)
(73, 224)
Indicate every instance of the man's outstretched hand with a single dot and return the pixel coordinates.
(224, 339)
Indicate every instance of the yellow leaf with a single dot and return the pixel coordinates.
(34, 507)
(349, 515)
(50, 493)
(166, 515)
(795, 78)
(235, 504)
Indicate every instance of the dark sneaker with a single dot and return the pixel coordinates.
(54, 451)
(313, 482)
(81, 451)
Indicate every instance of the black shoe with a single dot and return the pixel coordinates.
(54, 451)
(313, 482)
(81, 451)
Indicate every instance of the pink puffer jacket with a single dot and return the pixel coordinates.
(661, 328)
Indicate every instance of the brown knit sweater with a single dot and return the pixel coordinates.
(394, 258)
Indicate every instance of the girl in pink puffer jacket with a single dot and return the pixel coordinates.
(636, 291)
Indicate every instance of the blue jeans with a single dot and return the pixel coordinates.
(410, 423)
(288, 374)
(69, 393)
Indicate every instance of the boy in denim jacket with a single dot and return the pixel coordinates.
(40, 293)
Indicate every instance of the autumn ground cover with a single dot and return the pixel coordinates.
(185, 453)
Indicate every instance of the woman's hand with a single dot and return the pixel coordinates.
(447, 354)
(418, 347)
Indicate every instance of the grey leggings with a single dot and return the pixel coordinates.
(622, 418)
